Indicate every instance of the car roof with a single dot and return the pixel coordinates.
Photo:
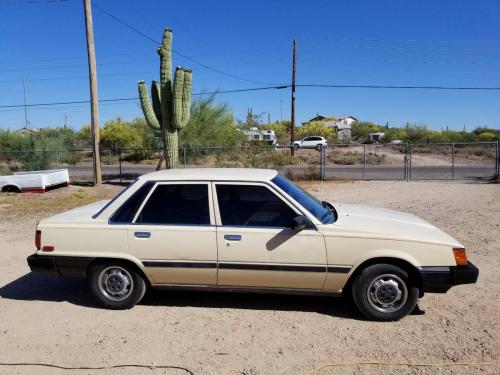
(211, 174)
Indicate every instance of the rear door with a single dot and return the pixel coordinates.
(173, 234)
(306, 142)
(257, 246)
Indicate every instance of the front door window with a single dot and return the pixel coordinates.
(253, 206)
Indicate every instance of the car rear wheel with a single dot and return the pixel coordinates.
(116, 286)
(11, 189)
(384, 292)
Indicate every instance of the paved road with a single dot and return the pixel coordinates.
(373, 172)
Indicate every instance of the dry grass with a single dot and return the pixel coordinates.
(15, 206)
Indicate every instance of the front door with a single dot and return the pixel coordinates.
(257, 246)
(173, 234)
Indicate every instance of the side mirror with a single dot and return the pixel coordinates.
(300, 222)
(327, 204)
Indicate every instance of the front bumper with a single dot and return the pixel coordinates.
(59, 265)
(441, 279)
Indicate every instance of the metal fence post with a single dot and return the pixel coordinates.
(404, 166)
(364, 161)
(109, 157)
(57, 158)
(407, 163)
(321, 163)
(497, 173)
(184, 156)
(409, 158)
(453, 161)
(120, 164)
(322, 157)
(324, 164)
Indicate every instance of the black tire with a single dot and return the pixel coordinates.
(376, 289)
(10, 189)
(296, 147)
(116, 286)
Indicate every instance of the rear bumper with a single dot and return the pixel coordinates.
(441, 279)
(59, 265)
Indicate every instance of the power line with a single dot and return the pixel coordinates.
(450, 88)
(276, 87)
(32, 2)
(144, 35)
(68, 58)
(78, 77)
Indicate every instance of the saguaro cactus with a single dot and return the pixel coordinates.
(168, 112)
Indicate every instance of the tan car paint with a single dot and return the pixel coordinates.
(269, 245)
(357, 236)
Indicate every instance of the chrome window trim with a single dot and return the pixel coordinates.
(178, 182)
(265, 184)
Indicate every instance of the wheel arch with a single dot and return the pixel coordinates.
(11, 187)
(398, 262)
(126, 262)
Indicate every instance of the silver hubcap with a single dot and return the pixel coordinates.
(116, 283)
(387, 293)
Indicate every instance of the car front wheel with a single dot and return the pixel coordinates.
(384, 292)
(116, 286)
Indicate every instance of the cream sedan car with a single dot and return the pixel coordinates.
(248, 230)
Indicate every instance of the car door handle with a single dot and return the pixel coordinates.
(232, 237)
(142, 234)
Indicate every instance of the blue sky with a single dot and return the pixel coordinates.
(446, 42)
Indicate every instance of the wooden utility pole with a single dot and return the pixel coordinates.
(94, 105)
(25, 110)
(292, 126)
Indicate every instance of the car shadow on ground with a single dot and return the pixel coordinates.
(332, 306)
(38, 287)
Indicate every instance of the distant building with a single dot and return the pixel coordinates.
(376, 137)
(317, 118)
(265, 136)
(342, 127)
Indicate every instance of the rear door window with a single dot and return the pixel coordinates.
(125, 214)
(176, 204)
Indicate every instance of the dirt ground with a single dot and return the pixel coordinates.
(54, 320)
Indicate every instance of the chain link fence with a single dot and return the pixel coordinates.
(437, 161)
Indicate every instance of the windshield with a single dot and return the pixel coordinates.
(321, 211)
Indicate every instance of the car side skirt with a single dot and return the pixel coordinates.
(246, 289)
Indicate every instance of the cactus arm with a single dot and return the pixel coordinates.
(165, 52)
(177, 98)
(186, 96)
(156, 98)
(147, 108)
(182, 97)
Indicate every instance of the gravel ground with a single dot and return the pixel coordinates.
(53, 320)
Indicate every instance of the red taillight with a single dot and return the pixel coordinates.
(48, 248)
(38, 239)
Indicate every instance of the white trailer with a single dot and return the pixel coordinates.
(34, 181)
